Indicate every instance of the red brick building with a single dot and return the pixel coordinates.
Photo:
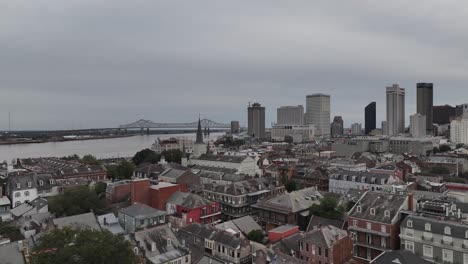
(119, 191)
(156, 196)
(281, 232)
(374, 222)
(193, 208)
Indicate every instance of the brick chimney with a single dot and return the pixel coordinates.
(140, 191)
(411, 201)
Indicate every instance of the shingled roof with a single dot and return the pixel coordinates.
(380, 202)
(188, 200)
(295, 201)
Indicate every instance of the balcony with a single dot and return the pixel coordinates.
(430, 239)
(210, 215)
(443, 242)
(364, 244)
(368, 231)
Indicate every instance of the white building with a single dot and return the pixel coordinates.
(22, 188)
(242, 164)
(318, 113)
(173, 143)
(290, 115)
(459, 130)
(342, 181)
(356, 129)
(418, 125)
(298, 133)
(395, 110)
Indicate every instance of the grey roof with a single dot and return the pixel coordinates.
(222, 158)
(173, 173)
(282, 229)
(211, 233)
(36, 204)
(138, 210)
(208, 260)
(295, 201)
(164, 251)
(246, 224)
(213, 169)
(23, 181)
(437, 225)
(111, 224)
(317, 222)
(4, 200)
(87, 220)
(381, 202)
(399, 257)
(325, 236)
(188, 200)
(243, 187)
(10, 254)
(361, 176)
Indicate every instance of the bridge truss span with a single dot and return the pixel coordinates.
(206, 123)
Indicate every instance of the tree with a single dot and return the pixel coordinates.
(172, 155)
(90, 160)
(288, 139)
(146, 155)
(328, 208)
(440, 170)
(435, 150)
(444, 148)
(73, 157)
(10, 231)
(100, 188)
(256, 236)
(291, 186)
(75, 201)
(460, 145)
(125, 170)
(82, 246)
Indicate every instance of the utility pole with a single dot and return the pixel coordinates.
(9, 122)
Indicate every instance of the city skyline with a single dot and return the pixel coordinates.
(86, 65)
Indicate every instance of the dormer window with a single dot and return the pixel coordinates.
(354, 178)
(51, 181)
(447, 230)
(18, 186)
(372, 211)
(29, 184)
(387, 213)
(383, 181)
(358, 209)
(41, 183)
(466, 234)
(409, 223)
(427, 227)
(363, 179)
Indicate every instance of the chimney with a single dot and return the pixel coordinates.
(411, 202)
(105, 221)
(20, 246)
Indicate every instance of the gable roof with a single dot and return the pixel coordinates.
(325, 236)
(87, 220)
(317, 222)
(138, 210)
(295, 201)
(223, 158)
(399, 257)
(188, 200)
(380, 202)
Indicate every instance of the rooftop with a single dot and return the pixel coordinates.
(87, 220)
(139, 211)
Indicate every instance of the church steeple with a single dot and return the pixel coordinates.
(199, 133)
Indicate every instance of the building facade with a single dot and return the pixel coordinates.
(441, 114)
(298, 133)
(256, 120)
(290, 115)
(370, 117)
(235, 127)
(425, 102)
(318, 113)
(395, 110)
(459, 130)
(356, 129)
(337, 126)
(418, 125)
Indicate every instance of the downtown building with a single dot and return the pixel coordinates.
(395, 110)
(459, 130)
(290, 123)
(424, 103)
(290, 115)
(256, 120)
(418, 125)
(337, 126)
(370, 118)
(318, 113)
(356, 129)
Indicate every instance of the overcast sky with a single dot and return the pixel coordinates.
(91, 63)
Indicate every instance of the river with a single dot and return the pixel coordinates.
(101, 148)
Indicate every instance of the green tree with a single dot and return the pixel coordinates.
(328, 208)
(256, 236)
(10, 231)
(73, 157)
(82, 246)
(444, 148)
(460, 145)
(100, 188)
(90, 160)
(172, 155)
(75, 201)
(291, 186)
(125, 170)
(146, 155)
(435, 150)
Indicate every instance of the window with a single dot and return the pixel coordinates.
(447, 255)
(17, 204)
(383, 242)
(355, 223)
(17, 194)
(427, 227)
(26, 193)
(358, 209)
(372, 211)
(326, 252)
(387, 213)
(320, 251)
(29, 184)
(447, 230)
(369, 239)
(41, 183)
(18, 186)
(383, 228)
(427, 251)
(409, 223)
(409, 246)
(409, 232)
(466, 234)
(135, 250)
(51, 181)
(369, 225)
(313, 249)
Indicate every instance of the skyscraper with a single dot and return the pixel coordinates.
(418, 125)
(441, 114)
(290, 115)
(370, 117)
(337, 126)
(356, 129)
(256, 120)
(395, 110)
(425, 102)
(318, 113)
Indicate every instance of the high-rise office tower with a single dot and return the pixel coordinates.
(235, 127)
(318, 113)
(441, 114)
(337, 126)
(461, 110)
(418, 125)
(256, 120)
(384, 128)
(425, 102)
(290, 115)
(356, 129)
(395, 110)
(370, 117)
